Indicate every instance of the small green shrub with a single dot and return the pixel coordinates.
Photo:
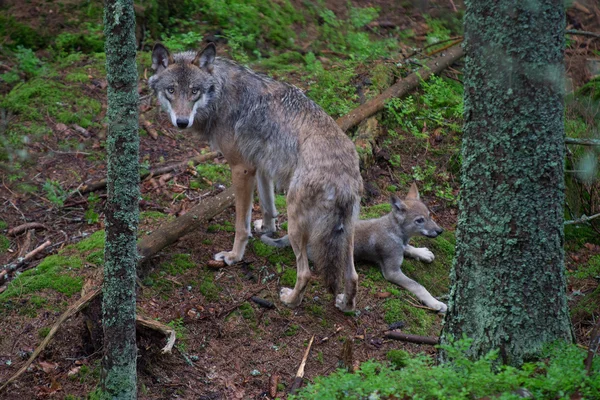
(559, 373)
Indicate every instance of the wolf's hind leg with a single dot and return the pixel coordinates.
(347, 300)
(243, 181)
(392, 272)
(266, 195)
(298, 237)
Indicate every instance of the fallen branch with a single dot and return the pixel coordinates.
(28, 256)
(300, 374)
(162, 328)
(582, 33)
(583, 142)
(400, 88)
(66, 315)
(195, 218)
(225, 313)
(405, 337)
(101, 184)
(17, 230)
(147, 125)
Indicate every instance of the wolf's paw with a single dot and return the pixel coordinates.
(342, 305)
(261, 227)
(423, 254)
(229, 257)
(286, 295)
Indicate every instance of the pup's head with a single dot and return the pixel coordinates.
(184, 83)
(413, 216)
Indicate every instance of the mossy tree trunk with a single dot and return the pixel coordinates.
(508, 282)
(118, 379)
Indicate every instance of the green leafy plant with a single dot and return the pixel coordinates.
(55, 193)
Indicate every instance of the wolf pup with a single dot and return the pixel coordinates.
(271, 129)
(385, 241)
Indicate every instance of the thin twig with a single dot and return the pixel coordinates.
(300, 374)
(28, 256)
(582, 142)
(25, 227)
(583, 33)
(593, 347)
(582, 219)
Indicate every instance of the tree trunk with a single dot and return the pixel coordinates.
(118, 380)
(508, 282)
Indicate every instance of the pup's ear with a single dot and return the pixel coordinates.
(398, 205)
(205, 58)
(413, 193)
(161, 58)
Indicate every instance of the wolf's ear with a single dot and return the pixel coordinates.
(161, 58)
(205, 58)
(398, 205)
(413, 193)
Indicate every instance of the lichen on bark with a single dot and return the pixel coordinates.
(508, 283)
(118, 378)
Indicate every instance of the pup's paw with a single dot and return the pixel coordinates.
(342, 305)
(286, 295)
(229, 257)
(440, 307)
(424, 254)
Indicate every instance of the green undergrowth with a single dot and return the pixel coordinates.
(60, 273)
(417, 321)
(178, 264)
(276, 256)
(418, 377)
(210, 174)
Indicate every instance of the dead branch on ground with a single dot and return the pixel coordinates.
(405, 337)
(300, 374)
(17, 230)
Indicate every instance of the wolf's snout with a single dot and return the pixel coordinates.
(182, 122)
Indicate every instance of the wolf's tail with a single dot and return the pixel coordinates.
(281, 242)
(331, 241)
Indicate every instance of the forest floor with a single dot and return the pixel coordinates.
(52, 136)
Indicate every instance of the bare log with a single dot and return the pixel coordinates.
(162, 328)
(101, 184)
(583, 33)
(400, 88)
(405, 337)
(195, 218)
(17, 230)
(28, 256)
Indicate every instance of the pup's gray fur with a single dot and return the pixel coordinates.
(384, 241)
(271, 128)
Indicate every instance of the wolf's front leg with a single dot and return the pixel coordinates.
(392, 272)
(243, 181)
(419, 253)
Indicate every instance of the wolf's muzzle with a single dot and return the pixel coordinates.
(182, 122)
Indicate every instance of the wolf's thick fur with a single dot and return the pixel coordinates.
(385, 241)
(271, 129)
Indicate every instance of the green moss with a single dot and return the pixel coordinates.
(52, 273)
(3, 225)
(375, 211)
(280, 202)
(226, 226)
(209, 174)
(418, 321)
(274, 255)
(77, 77)
(288, 277)
(94, 242)
(316, 310)
(291, 330)
(246, 311)
(38, 97)
(43, 332)
(21, 34)
(153, 216)
(178, 264)
(4, 244)
(208, 288)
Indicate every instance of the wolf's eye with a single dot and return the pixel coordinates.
(420, 220)
(195, 91)
(171, 90)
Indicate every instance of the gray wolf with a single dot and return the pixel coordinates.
(384, 241)
(271, 129)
